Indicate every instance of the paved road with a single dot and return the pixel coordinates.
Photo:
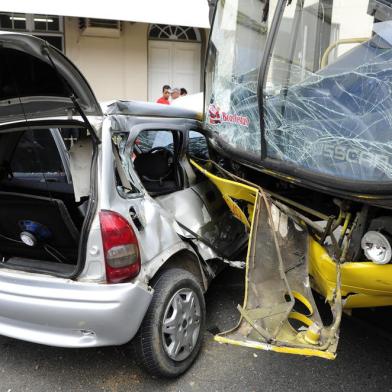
(364, 361)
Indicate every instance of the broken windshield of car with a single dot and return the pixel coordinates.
(237, 44)
(327, 101)
(197, 146)
(149, 139)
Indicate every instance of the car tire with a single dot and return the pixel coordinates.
(171, 333)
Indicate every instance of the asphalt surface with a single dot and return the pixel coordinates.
(364, 361)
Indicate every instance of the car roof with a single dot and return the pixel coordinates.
(148, 109)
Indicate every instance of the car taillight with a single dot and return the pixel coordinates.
(122, 257)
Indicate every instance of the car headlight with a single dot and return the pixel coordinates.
(376, 247)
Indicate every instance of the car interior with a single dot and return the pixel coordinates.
(39, 219)
(162, 160)
(156, 161)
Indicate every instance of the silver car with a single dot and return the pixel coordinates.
(107, 232)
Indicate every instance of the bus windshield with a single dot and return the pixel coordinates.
(237, 44)
(325, 87)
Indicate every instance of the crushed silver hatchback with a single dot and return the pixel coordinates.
(106, 229)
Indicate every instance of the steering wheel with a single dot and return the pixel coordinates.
(168, 157)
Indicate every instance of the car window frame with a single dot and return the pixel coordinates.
(138, 124)
(60, 147)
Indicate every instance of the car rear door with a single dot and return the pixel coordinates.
(39, 82)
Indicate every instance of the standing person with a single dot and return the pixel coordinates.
(175, 93)
(165, 95)
(183, 92)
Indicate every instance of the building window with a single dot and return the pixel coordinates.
(48, 27)
(13, 21)
(176, 33)
(46, 23)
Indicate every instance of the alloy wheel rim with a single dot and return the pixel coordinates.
(181, 324)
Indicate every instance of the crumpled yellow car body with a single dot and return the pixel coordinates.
(286, 259)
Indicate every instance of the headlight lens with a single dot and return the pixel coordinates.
(376, 247)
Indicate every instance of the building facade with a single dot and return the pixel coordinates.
(122, 59)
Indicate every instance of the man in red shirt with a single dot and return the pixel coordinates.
(165, 95)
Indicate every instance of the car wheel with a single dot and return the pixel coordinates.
(171, 333)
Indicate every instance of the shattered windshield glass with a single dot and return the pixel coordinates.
(236, 48)
(327, 103)
(328, 106)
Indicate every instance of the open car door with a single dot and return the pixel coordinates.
(38, 82)
(279, 312)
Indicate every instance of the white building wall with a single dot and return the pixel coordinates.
(116, 68)
(353, 21)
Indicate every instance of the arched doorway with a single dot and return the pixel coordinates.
(173, 58)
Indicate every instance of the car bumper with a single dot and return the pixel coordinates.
(65, 313)
(363, 284)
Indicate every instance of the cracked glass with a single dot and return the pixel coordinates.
(236, 49)
(327, 102)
